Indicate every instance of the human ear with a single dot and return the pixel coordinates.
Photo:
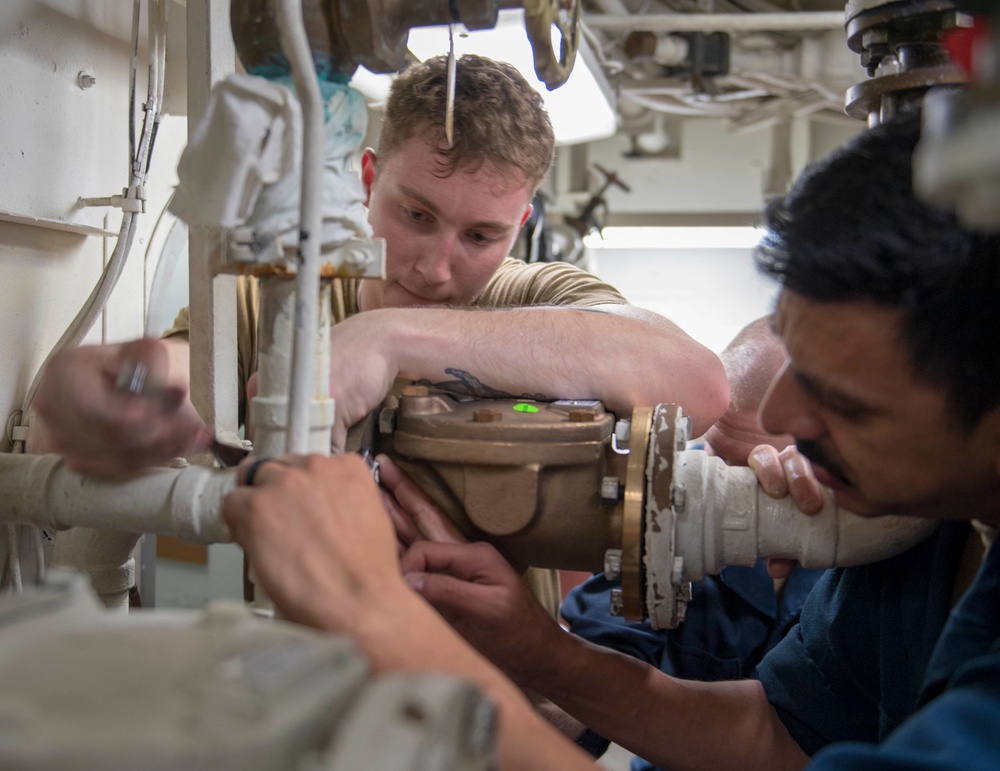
(368, 172)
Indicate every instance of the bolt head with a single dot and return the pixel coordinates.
(613, 564)
(678, 498)
(611, 491)
(487, 415)
(617, 606)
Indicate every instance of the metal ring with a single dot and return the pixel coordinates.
(252, 468)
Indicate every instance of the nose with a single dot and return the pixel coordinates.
(787, 409)
(436, 259)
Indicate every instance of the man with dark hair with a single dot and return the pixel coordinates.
(887, 314)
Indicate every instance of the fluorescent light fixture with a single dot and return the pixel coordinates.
(675, 238)
(580, 110)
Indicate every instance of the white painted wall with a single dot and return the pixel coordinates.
(59, 142)
(717, 171)
(710, 293)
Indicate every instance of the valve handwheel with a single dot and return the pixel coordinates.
(540, 16)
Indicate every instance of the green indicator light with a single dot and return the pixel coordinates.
(522, 407)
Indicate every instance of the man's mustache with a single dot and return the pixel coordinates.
(816, 454)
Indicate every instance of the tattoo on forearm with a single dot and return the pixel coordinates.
(467, 384)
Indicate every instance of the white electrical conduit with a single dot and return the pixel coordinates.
(295, 45)
(803, 21)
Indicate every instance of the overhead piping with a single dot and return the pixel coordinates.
(819, 21)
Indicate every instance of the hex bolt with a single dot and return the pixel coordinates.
(678, 498)
(617, 604)
(85, 80)
(681, 433)
(681, 599)
(611, 490)
(581, 416)
(486, 415)
(386, 420)
(613, 564)
(415, 390)
(179, 463)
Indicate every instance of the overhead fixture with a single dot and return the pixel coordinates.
(675, 238)
(581, 110)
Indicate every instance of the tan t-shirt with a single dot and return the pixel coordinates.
(515, 285)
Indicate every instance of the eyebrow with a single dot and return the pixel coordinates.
(829, 395)
(409, 192)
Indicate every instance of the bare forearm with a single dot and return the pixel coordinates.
(525, 740)
(676, 724)
(626, 358)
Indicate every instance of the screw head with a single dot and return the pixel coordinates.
(85, 80)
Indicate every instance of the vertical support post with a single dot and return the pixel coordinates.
(211, 57)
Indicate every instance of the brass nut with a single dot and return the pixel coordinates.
(415, 390)
(486, 416)
(581, 416)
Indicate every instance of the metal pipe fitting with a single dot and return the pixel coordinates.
(536, 481)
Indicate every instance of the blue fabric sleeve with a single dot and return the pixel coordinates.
(852, 669)
(586, 613)
(957, 731)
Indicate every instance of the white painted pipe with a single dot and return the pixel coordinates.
(718, 515)
(728, 519)
(187, 503)
(105, 556)
(269, 409)
(295, 46)
(807, 21)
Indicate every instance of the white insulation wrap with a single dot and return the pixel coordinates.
(187, 503)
